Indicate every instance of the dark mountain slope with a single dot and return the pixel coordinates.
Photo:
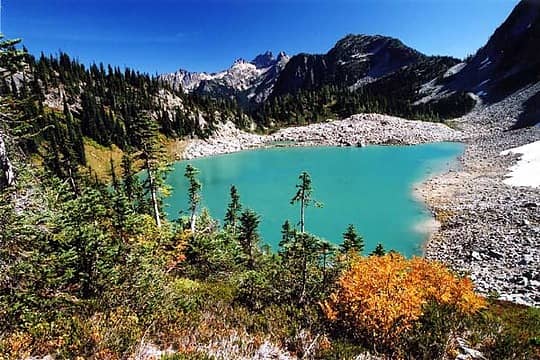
(355, 58)
(531, 112)
(406, 82)
(508, 61)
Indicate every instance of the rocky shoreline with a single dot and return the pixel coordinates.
(357, 130)
(488, 229)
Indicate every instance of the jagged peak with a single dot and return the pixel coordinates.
(282, 55)
(264, 60)
(182, 71)
(240, 61)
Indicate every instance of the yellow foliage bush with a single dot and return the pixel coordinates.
(380, 297)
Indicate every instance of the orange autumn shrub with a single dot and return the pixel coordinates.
(380, 297)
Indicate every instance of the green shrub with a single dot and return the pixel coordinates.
(507, 331)
(340, 350)
(429, 337)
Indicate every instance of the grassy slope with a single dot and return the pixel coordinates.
(98, 156)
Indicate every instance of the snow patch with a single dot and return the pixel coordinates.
(362, 56)
(476, 98)
(527, 170)
(430, 91)
(484, 82)
(244, 66)
(485, 63)
(361, 82)
(454, 69)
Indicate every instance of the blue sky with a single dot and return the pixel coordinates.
(208, 35)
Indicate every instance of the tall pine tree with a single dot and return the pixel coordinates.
(193, 194)
(233, 210)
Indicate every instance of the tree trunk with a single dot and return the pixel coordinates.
(153, 194)
(192, 220)
(7, 174)
(302, 209)
(71, 180)
(251, 264)
(304, 273)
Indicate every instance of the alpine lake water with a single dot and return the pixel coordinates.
(370, 187)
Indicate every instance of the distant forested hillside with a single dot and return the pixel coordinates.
(68, 102)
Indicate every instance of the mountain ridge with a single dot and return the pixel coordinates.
(243, 80)
(352, 58)
(507, 62)
(384, 66)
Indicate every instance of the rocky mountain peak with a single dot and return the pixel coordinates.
(282, 56)
(240, 61)
(264, 60)
(354, 60)
(248, 81)
(364, 45)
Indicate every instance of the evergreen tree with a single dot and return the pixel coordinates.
(303, 196)
(249, 237)
(11, 60)
(130, 181)
(193, 193)
(112, 173)
(301, 261)
(233, 210)
(379, 250)
(152, 154)
(81, 222)
(352, 242)
(287, 234)
(327, 250)
(122, 210)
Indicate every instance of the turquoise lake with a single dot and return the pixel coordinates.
(369, 187)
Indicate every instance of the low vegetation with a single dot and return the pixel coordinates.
(381, 300)
(92, 275)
